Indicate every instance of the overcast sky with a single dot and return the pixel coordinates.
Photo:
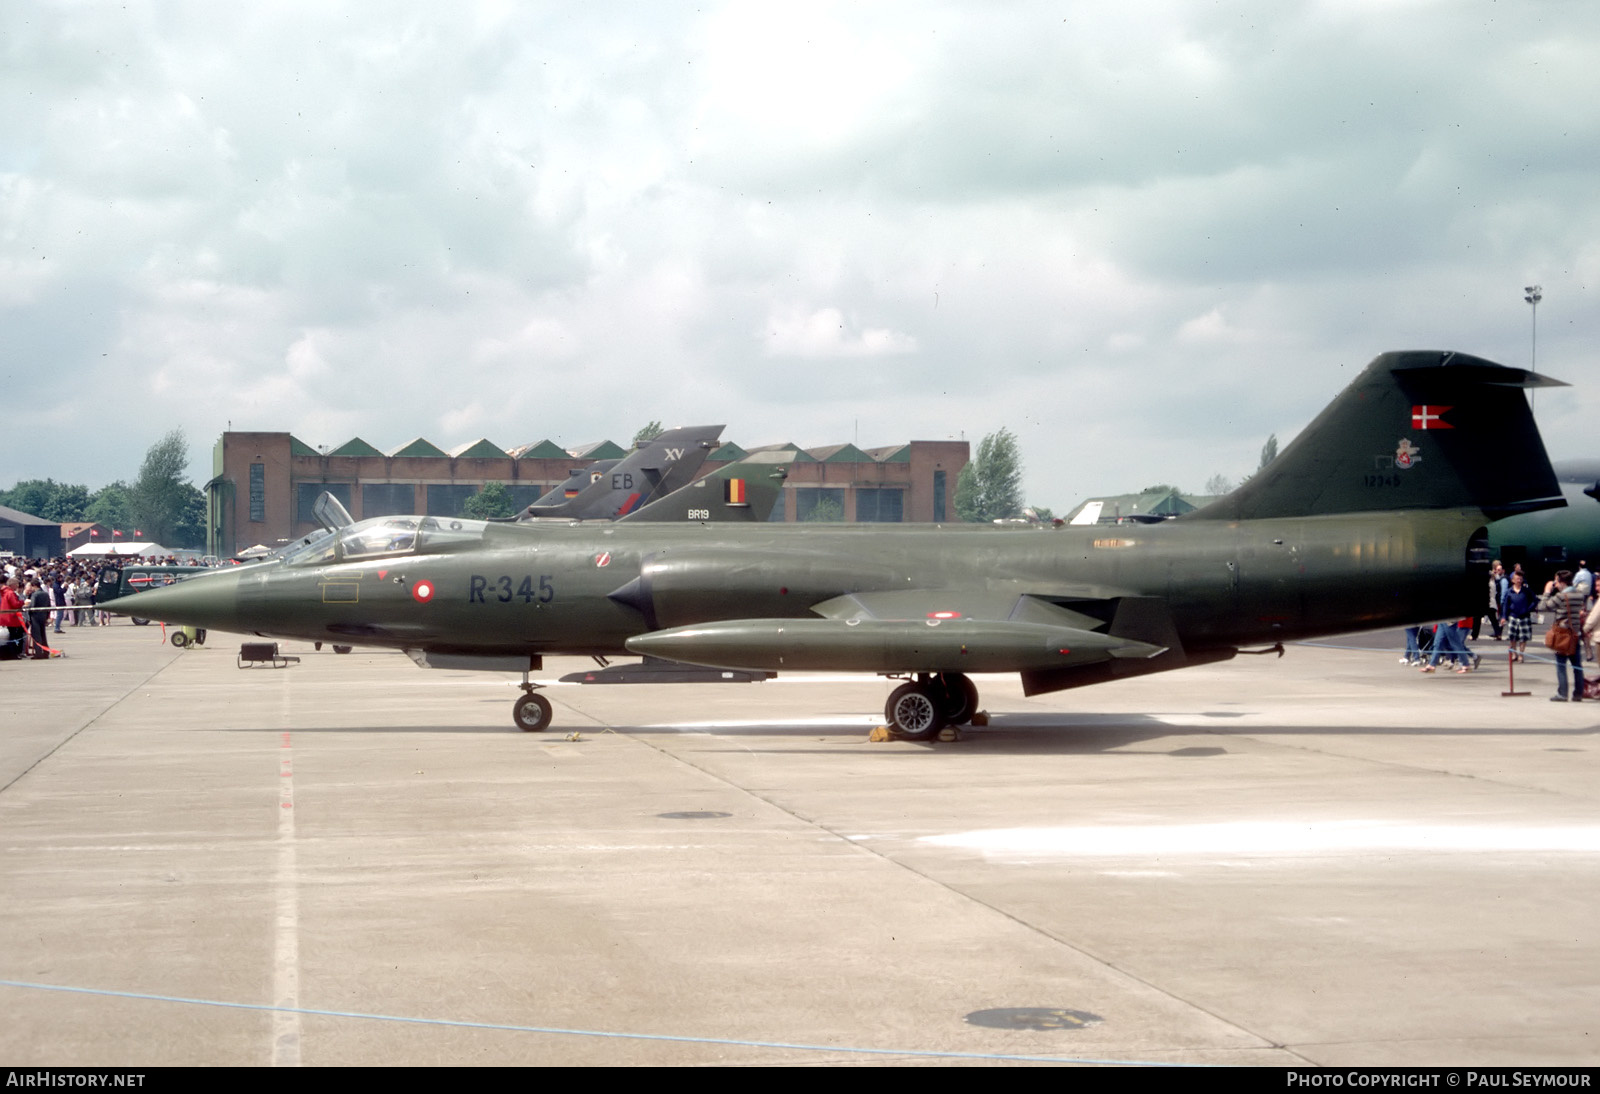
(1141, 235)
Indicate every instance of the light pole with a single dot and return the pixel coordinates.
(1533, 294)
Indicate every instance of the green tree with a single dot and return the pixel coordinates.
(1269, 451)
(1161, 488)
(159, 496)
(990, 485)
(47, 498)
(494, 500)
(648, 432)
(112, 506)
(190, 530)
(826, 510)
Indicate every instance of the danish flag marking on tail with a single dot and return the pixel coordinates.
(1430, 417)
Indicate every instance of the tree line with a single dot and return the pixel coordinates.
(161, 504)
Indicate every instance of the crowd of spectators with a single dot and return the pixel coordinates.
(40, 595)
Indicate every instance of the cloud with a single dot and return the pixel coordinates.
(824, 332)
(1142, 237)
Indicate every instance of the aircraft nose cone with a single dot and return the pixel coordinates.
(207, 600)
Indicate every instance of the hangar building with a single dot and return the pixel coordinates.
(263, 485)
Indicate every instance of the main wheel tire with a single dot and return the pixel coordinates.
(343, 649)
(137, 622)
(913, 712)
(532, 713)
(179, 639)
(961, 698)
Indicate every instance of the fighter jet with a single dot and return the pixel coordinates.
(1374, 516)
(615, 488)
(1548, 541)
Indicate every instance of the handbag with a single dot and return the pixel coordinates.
(1560, 639)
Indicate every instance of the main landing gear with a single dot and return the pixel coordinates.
(531, 712)
(918, 709)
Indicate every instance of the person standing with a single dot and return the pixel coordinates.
(1515, 609)
(38, 618)
(11, 619)
(1566, 601)
(58, 597)
(1498, 585)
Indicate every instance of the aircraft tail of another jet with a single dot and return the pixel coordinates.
(744, 491)
(653, 470)
(1416, 430)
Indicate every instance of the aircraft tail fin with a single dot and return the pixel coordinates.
(743, 491)
(653, 469)
(1416, 430)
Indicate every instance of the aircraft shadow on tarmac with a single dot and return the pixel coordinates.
(1088, 734)
(1016, 734)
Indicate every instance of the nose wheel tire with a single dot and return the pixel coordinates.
(532, 713)
(915, 712)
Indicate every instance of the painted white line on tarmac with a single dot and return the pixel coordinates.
(1289, 838)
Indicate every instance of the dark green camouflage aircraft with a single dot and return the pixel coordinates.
(1555, 539)
(1374, 516)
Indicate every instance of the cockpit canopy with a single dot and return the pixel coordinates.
(382, 537)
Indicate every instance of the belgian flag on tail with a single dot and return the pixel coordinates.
(733, 492)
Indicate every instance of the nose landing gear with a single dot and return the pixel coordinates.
(531, 712)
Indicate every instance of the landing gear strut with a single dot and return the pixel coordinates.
(531, 712)
(917, 710)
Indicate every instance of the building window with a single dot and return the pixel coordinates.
(258, 492)
(307, 493)
(523, 495)
(387, 499)
(446, 499)
(874, 506)
(939, 513)
(822, 503)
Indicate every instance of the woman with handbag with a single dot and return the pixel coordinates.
(1567, 603)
